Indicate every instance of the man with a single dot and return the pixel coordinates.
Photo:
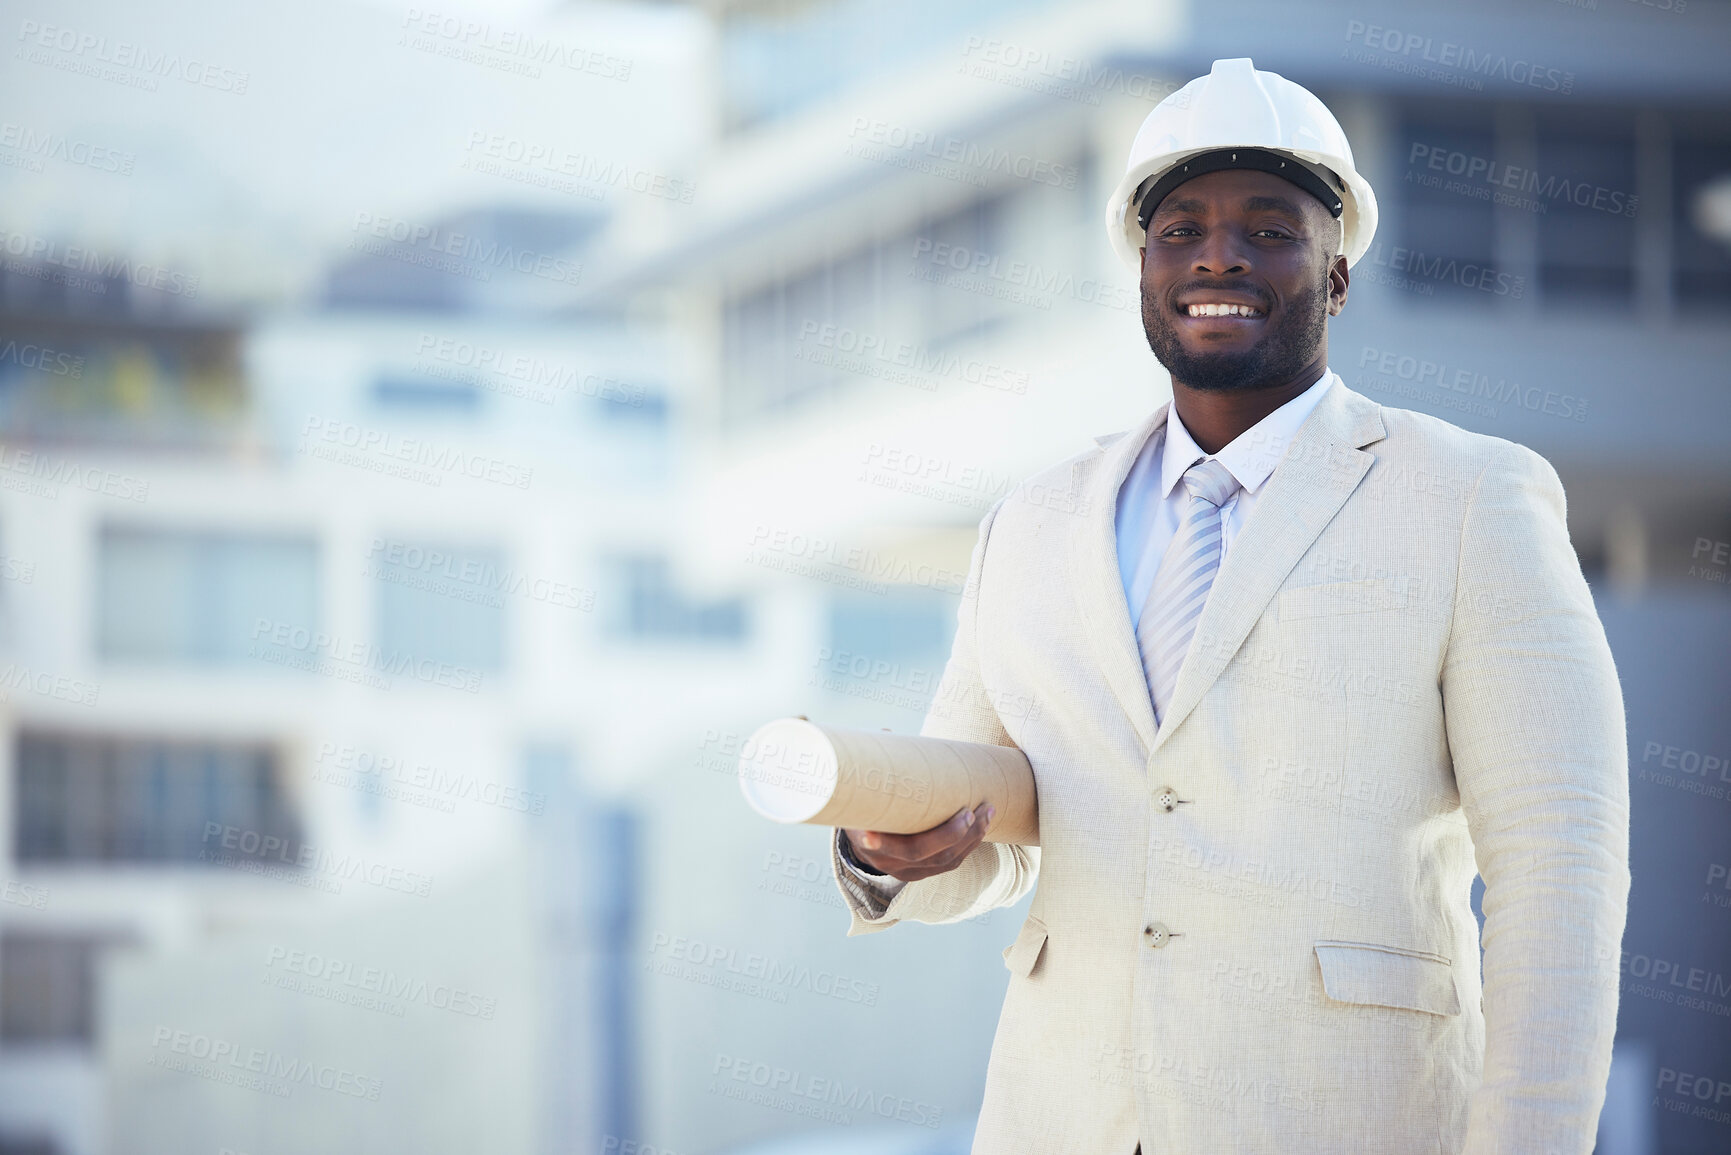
(1309, 665)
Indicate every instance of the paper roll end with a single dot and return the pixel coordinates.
(787, 770)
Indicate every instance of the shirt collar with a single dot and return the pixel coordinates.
(1253, 454)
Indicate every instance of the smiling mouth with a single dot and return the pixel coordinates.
(1248, 312)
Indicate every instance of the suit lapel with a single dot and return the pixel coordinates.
(1319, 471)
(1095, 577)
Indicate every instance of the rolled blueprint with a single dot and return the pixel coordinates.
(792, 770)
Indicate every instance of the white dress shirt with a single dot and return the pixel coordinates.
(1151, 501)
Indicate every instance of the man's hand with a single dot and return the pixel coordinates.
(911, 857)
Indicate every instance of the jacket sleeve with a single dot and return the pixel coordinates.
(993, 875)
(1534, 716)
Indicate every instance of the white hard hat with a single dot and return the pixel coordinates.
(1240, 117)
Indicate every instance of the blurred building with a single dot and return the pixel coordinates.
(909, 306)
(308, 634)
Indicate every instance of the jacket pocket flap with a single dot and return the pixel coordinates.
(1021, 955)
(1355, 597)
(1381, 976)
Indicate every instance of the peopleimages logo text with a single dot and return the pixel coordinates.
(380, 981)
(415, 451)
(83, 259)
(273, 641)
(803, 1091)
(57, 686)
(54, 471)
(237, 845)
(87, 51)
(39, 145)
(872, 355)
(1436, 374)
(972, 158)
(867, 562)
(465, 249)
(510, 44)
(1577, 192)
(167, 1042)
(1448, 54)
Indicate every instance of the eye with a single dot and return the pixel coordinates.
(1176, 230)
(1278, 234)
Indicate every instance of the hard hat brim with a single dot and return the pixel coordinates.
(1358, 212)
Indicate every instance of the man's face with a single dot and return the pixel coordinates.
(1246, 238)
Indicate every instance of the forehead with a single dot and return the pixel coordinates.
(1238, 190)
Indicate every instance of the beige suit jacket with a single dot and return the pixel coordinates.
(1252, 929)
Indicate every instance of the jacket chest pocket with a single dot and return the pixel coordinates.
(1023, 955)
(1386, 976)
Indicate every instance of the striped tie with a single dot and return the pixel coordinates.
(1182, 582)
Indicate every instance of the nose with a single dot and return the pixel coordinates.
(1220, 255)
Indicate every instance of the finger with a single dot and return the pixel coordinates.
(877, 846)
(974, 824)
(945, 862)
(937, 850)
(884, 853)
(951, 857)
(866, 845)
(917, 848)
(944, 855)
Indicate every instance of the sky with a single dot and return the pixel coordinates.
(269, 128)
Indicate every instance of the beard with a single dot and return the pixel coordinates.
(1277, 358)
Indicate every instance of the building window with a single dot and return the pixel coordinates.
(777, 56)
(1701, 261)
(906, 624)
(82, 799)
(653, 608)
(1582, 195)
(887, 650)
(119, 375)
(646, 408)
(443, 603)
(416, 393)
(776, 350)
(897, 312)
(178, 596)
(1568, 206)
(47, 988)
(1445, 152)
(868, 315)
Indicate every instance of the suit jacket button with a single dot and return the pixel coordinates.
(1167, 799)
(1156, 934)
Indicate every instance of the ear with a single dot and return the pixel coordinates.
(1339, 278)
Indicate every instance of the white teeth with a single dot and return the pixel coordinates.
(1222, 311)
